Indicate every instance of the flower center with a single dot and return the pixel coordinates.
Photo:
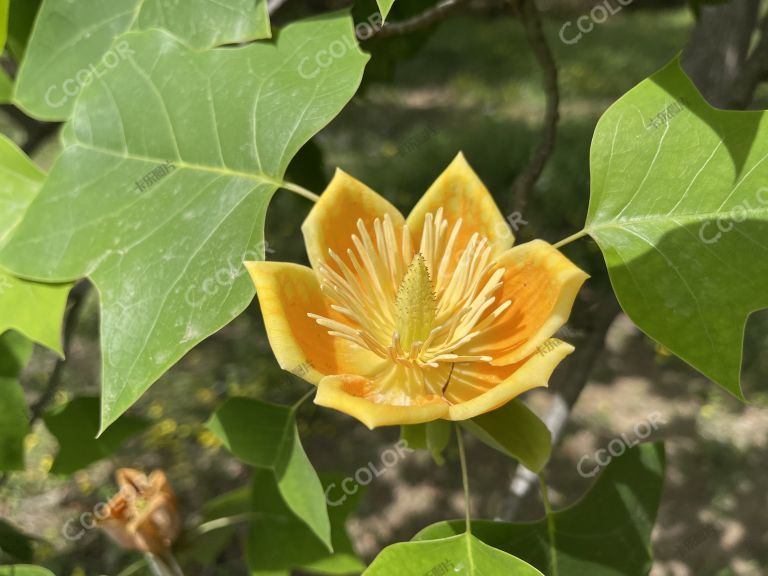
(417, 308)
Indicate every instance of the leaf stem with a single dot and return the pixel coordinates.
(225, 522)
(135, 567)
(464, 478)
(303, 399)
(165, 565)
(571, 238)
(550, 524)
(300, 190)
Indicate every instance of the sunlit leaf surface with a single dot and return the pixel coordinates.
(163, 192)
(606, 533)
(679, 207)
(72, 43)
(33, 309)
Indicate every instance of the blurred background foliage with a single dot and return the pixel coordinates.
(469, 84)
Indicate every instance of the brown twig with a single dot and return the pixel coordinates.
(428, 18)
(595, 318)
(534, 33)
(77, 297)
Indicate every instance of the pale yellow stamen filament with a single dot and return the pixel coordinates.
(415, 308)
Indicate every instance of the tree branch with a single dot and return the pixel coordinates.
(421, 21)
(77, 298)
(718, 51)
(753, 71)
(568, 383)
(526, 180)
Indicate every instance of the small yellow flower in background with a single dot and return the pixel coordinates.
(208, 439)
(205, 396)
(83, 481)
(403, 321)
(31, 441)
(156, 410)
(143, 514)
(166, 427)
(46, 463)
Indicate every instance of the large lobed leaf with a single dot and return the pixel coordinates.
(461, 554)
(213, 132)
(35, 310)
(679, 207)
(72, 42)
(606, 533)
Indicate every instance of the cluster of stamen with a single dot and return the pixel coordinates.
(416, 307)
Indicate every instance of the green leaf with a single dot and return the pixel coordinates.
(206, 548)
(78, 37)
(207, 23)
(384, 7)
(24, 570)
(215, 130)
(343, 560)
(431, 436)
(278, 540)
(75, 426)
(265, 436)
(15, 543)
(6, 87)
(4, 6)
(15, 351)
(462, 554)
(606, 533)
(35, 310)
(679, 208)
(516, 431)
(21, 19)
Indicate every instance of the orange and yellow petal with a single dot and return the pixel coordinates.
(542, 285)
(358, 397)
(461, 194)
(286, 293)
(333, 219)
(479, 388)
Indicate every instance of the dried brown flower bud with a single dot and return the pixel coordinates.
(143, 514)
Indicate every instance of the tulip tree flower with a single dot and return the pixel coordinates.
(405, 321)
(142, 515)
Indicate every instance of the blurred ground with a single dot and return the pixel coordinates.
(473, 87)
